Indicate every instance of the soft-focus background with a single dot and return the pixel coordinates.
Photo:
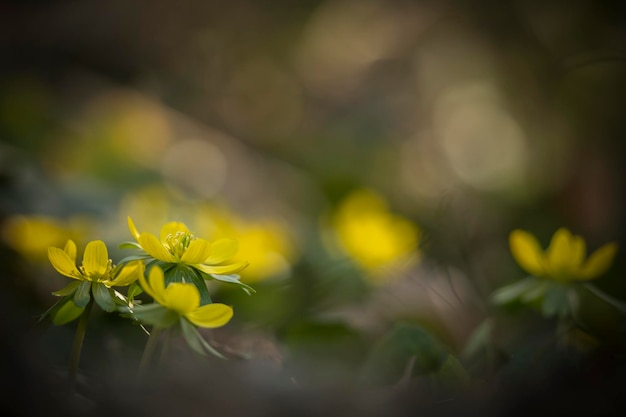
(371, 157)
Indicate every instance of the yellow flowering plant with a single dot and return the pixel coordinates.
(93, 279)
(178, 305)
(185, 258)
(557, 273)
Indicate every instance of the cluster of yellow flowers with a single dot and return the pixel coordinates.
(178, 264)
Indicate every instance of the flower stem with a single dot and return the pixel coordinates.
(148, 351)
(77, 346)
(166, 346)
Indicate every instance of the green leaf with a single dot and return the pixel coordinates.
(133, 258)
(153, 314)
(555, 302)
(196, 341)
(389, 357)
(67, 313)
(134, 290)
(194, 276)
(183, 273)
(452, 374)
(83, 294)
(480, 338)
(234, 279)
(536, 291)
(510, 292)
(69, 289)
(619, 305)
(172, 275)
(53, 309)
(130, 245)
(103, 297)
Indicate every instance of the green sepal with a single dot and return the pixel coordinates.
(103, 297)
(68, 312)
(69, 289)
(513, 291)
(196, 341)
(130, 245)
(82, 296)
(234, 279)
(153, 314)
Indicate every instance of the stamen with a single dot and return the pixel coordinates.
(177, 243)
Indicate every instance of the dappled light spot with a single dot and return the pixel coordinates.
(194, 167)
(482, 142)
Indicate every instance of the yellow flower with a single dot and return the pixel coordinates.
(183, 300)
(31, 236)
(94, 277)
(266, 243)
(564, 260)
(177, 245)
(96, 267)
(372, 235)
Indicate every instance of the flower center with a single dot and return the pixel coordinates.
(95, 276)
(177, 243)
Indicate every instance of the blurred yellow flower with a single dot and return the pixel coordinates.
(177, 245)
(32, 235)
(370, 234)
(266, 244)
(183, 299)
(564, 260)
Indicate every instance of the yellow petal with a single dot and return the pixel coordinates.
(221, 250)
(559, 252)
(62, 262)
(598, 262)
(155, 288)
(211, 315)
(154, 247)
(198, 251)
(172, 228)
(129, 274)
(70, 249)
(182, 297)
(578, 250)
(96, 258)
(527, 252)
(133, 229)
(222, 269)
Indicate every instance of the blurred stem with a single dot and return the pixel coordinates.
(77, 346)
(165, 348)
(148, 351)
